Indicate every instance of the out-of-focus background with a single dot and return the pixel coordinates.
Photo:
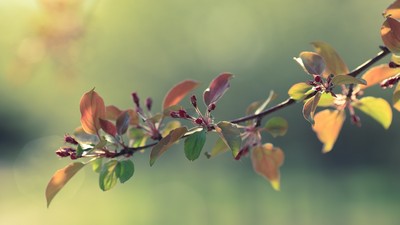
(51, 52)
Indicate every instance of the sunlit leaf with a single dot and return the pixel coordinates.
(345, 79)
(219, 147)
(126, 170)
(122, 122)
(377, 108)
(178, 92)
(217, 88)
(109, 175)
(194, 144)
(137, 137)
(96, 165)
(311, 62)
(92, 108)
(82, 137)
(393, 10)
(267, 160)
(60, 178)
(310, 106)
(377, 74)
(334, 63)
(108, 127)
(165, 143)
(390, 34)
(230, 134)
(276, 126)
(172, 125)
(326, 100)
(298, 91)
(396, 98)
(328, 124)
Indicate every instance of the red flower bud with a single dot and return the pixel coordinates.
(193, 99)
(135, 99)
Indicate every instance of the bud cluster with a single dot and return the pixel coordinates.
(390, 82)
(321, 85)
(67, 151)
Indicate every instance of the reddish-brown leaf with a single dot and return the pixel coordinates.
(266, 161)
(92, 108)
(334, 63)
(113, 112)
(328, 124)
(390, 34)
(217, 88)
(310, 106)
(108, 127)
(122, 122)
(178, 92)
(377, 74)
(311, 62)
(393, 10)
(60, 178)
(165, 143)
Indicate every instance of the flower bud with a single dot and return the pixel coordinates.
(149, 103)
(135, 99)
(211, 107)
(199, 121)
(193, 99)
(70, 139)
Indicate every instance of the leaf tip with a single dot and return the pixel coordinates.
(276, 185)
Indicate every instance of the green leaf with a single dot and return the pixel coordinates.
(396, 98)
(346, 79)
(326, 100)
(377, 108)
(230, 134)
(334, 63)
(219, 147)
(109, 175)
(165, 143)
(96, 165)
(178, 92)
(137, 136)
(298, 91)
(60, 178)
(276, 126)
(126, 171)
(194, 144)
(310, 106)
(267, 160)
(79, 151)
(311, 62)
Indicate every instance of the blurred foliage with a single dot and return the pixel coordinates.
(148, 46)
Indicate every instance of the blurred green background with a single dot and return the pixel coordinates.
(148, 46)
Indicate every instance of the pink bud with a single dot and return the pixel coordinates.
(193, 99)
(149, 103)
(135, 99)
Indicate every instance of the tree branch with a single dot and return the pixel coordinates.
(384, 52)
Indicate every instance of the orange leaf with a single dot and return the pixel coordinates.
(266, 161)
(328, 124)
(393, 10)
(178, 92)
(334, 63)
(390, 34)
(377, 74)
(92, 108)
(60, 178)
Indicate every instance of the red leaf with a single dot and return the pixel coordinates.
(108, 127)
(266, 161)
(217, 88)
(92, 108)
(178, 92)
(393, 10)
